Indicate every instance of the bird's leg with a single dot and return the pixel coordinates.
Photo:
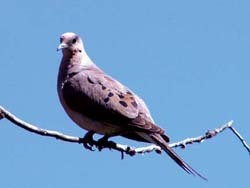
(88, 140)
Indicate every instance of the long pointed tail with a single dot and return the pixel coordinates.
(159, 140)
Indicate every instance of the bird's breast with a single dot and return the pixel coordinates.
(81, 109)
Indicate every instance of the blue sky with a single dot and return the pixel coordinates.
(189, 60)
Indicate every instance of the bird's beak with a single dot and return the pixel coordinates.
(62, 46)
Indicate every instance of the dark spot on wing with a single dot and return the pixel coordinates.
(106, 99)
(110, 94)
(134, 104)
(101, 84)
(121, 96)
(90, 81)
(123, 103)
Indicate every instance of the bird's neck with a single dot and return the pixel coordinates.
(85, 60)
(70, 60)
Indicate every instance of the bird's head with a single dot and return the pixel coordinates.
(70, 43)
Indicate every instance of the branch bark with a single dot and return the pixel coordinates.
(124, 149)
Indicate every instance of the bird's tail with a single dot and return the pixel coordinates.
(162, 141)
(159, 140)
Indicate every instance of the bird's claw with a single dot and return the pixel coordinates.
(101, 143)
(88, 146)
(88, 141)
(104, 143)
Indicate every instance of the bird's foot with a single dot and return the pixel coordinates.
(88, 141)
(104, 143)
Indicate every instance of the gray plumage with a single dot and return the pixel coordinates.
(99, 103)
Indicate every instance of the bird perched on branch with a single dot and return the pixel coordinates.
(100, 104)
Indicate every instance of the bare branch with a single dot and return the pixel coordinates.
(124, 149)
(241, 138)
(32, 128)
(209, 134)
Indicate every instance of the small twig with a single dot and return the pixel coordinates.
(241, 138)
(209, 134)
(112, 145)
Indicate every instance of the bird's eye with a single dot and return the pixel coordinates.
(74, 41)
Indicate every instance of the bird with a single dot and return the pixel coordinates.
(102, 105)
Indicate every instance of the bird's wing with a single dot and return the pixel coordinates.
(95, 94)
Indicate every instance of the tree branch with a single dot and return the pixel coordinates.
(124, 149)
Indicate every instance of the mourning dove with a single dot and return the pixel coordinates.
(100, 104)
